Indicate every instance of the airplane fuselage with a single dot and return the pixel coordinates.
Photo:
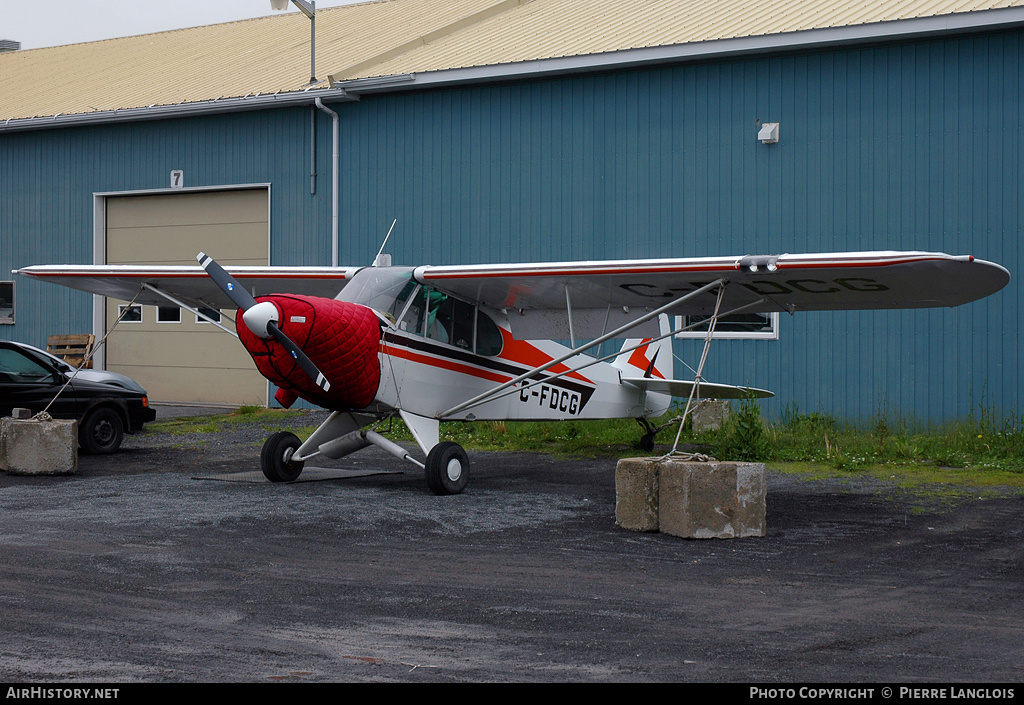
(427, 377)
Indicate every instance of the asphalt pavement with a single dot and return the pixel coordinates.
(168, 563)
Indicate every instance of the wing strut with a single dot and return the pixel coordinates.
(720, 283)
(695, 391)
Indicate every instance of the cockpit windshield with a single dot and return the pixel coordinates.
(421, 311)
(384, 289)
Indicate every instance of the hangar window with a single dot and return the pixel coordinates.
(7, 302)
(211, 313)
(129, 313)
(754, 326)
(168, 314)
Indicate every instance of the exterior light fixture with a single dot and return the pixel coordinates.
(768, 133)
(308, 8)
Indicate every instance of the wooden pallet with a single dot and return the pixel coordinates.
(71, 348)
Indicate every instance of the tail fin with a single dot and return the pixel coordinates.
(653, 360)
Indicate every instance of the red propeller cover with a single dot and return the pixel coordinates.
(340, 338)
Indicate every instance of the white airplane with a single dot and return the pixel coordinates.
(465, 342)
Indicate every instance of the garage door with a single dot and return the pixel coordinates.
(176, 357)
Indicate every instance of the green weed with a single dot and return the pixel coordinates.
(984, 448)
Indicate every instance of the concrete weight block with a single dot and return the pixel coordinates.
(31, 447)
(636, 494)
(710, 414)
(712, 499)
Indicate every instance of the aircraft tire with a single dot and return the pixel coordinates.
(275, 458)
(647, 442)
(447, 468)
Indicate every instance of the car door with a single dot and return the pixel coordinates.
(29, 382)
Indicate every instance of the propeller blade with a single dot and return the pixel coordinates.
(227, 283)
(244, 300)
(300, 357)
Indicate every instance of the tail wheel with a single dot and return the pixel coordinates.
(276, 457)
(447, 468)
(647, 442)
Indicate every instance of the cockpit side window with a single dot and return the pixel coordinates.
(454, 323)
(438, 312)
(440, 317)
(419, 315)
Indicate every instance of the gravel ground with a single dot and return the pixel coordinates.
(141, 568)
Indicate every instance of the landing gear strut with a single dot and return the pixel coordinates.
(446, 469)
(276, 457)
(647, 440)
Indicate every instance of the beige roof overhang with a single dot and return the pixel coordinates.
(894, 30)
(161, 112)
(389, 45)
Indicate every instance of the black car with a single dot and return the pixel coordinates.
(106, 404)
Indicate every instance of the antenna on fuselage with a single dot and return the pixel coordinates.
(382, 260)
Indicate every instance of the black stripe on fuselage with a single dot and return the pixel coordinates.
(490, 363)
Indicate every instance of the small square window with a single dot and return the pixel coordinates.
(7, 302)
(743, 326)
(211, 313)
(168, 314)
(129, 313)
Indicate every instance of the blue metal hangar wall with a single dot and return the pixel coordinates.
(909, 144)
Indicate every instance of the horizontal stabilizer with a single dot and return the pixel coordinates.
(682, 388)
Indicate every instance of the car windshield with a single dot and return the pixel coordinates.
(19, 367)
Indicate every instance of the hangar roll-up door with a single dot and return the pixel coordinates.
(174, 355)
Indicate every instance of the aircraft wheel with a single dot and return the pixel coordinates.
(276, 457)
(647, 442)
(447, 468)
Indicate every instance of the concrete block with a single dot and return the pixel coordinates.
(711, 500)
(636, 494)
(710, 414)
(29, 447)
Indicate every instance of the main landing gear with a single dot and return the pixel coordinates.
(447, 468)
(276, 458)
(283, 454)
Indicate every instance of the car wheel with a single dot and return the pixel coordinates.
(101, 431)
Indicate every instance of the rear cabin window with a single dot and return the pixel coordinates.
(488, 337)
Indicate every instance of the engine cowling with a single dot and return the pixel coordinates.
(342, 340)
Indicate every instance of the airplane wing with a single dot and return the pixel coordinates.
(599, 295)
(602, 295)
(190, 284)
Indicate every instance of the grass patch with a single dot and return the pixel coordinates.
(984, 450)
(981, 451)
(184, 425)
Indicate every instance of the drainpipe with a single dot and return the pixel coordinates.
(334, 183)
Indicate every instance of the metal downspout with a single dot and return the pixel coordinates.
(334, 182)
